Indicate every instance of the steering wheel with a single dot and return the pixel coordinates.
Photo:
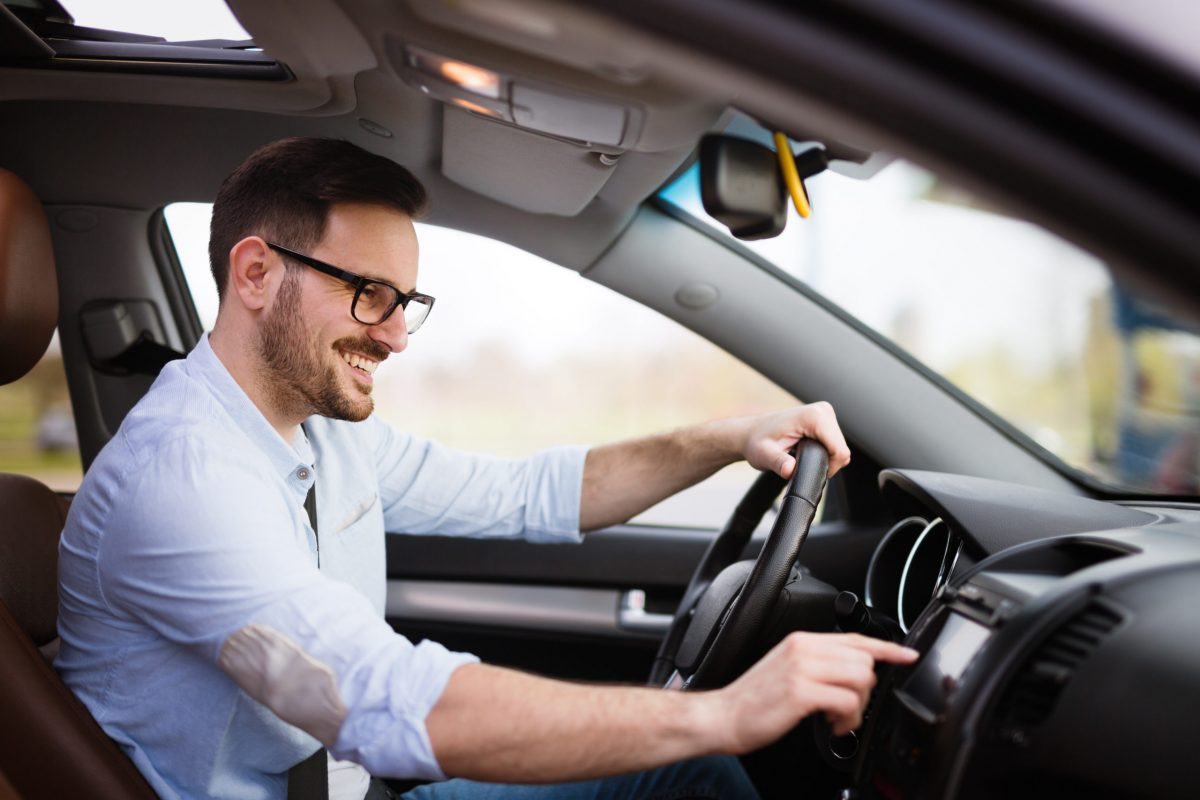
(727, 605)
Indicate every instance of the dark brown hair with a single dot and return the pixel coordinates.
(284, 190)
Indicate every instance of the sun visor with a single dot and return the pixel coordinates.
(522, 169)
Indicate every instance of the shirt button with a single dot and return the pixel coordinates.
(302, 474)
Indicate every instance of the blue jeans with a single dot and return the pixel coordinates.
(712, 778)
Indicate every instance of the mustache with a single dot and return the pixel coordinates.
(367, 347)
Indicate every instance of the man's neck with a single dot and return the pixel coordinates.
(246, 370)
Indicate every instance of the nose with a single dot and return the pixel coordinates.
(392, 333)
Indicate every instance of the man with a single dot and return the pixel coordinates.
(218, 637)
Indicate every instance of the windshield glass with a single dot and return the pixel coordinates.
(1028, 325)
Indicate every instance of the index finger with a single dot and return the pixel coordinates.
(882, 650)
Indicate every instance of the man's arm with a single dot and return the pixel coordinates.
(494, 724)
(623, 479)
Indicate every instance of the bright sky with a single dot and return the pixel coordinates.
(173, 20)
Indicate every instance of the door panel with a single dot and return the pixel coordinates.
(588, 611)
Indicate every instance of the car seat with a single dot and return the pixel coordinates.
(49, 744)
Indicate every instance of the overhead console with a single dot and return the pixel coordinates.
(524, 102)
(542, 104)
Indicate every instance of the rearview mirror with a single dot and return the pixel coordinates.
(741, 187)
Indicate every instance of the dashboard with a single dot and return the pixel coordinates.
(1060, 642)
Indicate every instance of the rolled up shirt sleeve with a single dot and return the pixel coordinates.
(201, 573)
(429, 488)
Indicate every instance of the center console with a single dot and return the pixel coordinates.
(987, 675)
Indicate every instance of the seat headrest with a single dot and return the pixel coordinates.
(28, 283)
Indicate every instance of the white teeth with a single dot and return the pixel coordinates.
(365, 364)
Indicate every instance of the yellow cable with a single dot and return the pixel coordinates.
(791, 177)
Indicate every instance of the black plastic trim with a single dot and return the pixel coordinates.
(19, 43)
(627, 556)
(994, 515)
(158, 59)
(148, 51)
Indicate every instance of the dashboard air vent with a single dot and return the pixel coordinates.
(1031, 696)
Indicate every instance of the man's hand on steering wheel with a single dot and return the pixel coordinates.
(770, 438)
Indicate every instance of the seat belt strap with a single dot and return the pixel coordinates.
(309, 780)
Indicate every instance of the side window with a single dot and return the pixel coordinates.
(37, 430)
(520, 354)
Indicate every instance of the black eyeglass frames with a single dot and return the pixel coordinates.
(374, 301)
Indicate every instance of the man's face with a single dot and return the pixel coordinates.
(320, 360)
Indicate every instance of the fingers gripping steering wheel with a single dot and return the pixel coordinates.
(728, 603)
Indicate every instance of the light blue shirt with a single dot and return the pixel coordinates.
(190, 525)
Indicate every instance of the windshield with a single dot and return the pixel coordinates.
(1029, 326)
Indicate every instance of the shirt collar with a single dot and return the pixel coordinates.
(294, 462)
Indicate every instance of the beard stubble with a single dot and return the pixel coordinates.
(300, 378)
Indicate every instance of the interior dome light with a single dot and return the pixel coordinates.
(468, 77)
(473, 79)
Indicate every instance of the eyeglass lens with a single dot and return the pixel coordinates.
(415, 313)
(375, 299)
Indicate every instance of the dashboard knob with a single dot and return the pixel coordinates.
(853, 616)
(851, 613)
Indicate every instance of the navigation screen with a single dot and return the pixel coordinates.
(936, 677)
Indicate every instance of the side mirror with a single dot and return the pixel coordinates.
(741, 187)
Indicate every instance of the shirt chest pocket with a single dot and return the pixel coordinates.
(359, 518)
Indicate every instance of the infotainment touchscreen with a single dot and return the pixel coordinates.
(937, 675)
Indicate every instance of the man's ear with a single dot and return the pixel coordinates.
(253, 273)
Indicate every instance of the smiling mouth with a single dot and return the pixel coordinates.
(361, 363)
